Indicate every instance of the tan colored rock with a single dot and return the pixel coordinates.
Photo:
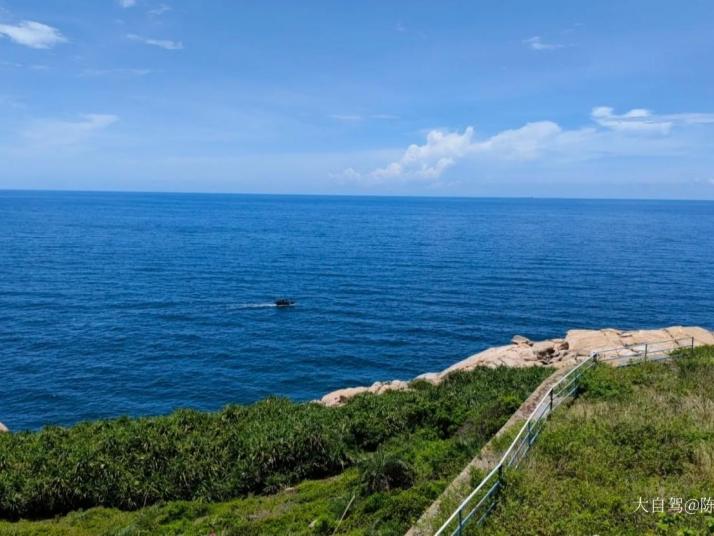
(515, 361)
(543, 348)
(335, 398)
(490, 355)
(644, 336)
(512, 355)
(561, 344)
(559, 355)
(3, 428)
(395, 385)
(584, 341)
(701, 335)
(431, 377)
(520, 339)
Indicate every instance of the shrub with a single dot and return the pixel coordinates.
(380, 472)
(190, 455)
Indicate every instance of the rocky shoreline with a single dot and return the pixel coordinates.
(522, 352)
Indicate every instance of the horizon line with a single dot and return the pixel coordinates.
(396, 196)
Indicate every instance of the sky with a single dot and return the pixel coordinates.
(545, 99)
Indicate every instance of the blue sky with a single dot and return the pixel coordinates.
(566, 99)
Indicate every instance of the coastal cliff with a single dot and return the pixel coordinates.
(522, 352)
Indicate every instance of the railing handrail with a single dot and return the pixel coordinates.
(512, 445)
(526, 427)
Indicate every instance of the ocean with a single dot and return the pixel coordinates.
(137, 304)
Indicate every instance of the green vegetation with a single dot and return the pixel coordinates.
(641, 432)
(379, 460)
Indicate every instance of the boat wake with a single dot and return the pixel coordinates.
(252, 305)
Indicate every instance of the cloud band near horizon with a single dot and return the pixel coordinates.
(635, 132)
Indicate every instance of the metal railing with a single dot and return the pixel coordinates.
(479, 503)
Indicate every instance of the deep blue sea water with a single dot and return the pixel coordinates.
(137, 304)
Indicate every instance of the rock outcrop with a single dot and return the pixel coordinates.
(522, 352)
(342, 395)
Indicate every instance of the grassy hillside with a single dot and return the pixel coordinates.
(271, 468)
(643, 432)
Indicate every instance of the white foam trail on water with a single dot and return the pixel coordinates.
(251, 305)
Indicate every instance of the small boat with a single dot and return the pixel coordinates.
(284, 302)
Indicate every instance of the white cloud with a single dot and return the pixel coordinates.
(642, 120)
(638, 119)
(61, 133)
(115, 72)
(443, 149)
(126, 3)
(621, 135)
(32, 34)
(431, 159)
(524, 143)
(536, 43)
(348, 118)
(162, 43)
(159, 10)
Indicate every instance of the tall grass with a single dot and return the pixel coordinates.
(645, 431)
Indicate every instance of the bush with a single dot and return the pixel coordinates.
(190, 455)
(380, 472)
